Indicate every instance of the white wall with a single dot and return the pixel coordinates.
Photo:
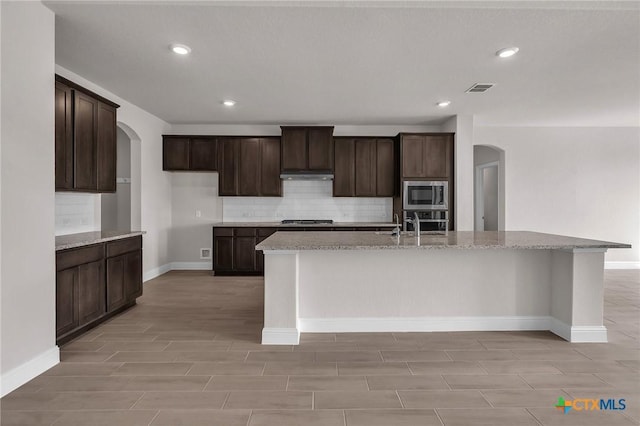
(462, 126)
(155, 196)
(27, 188)
(191, 192)
(583, 182)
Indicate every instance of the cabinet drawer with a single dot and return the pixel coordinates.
(124, 246)
(244, 232)
(79, 256)
(223, 232)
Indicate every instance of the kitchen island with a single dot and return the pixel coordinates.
(463, 281)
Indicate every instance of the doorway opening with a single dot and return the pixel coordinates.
(488, 188)
(120, 211)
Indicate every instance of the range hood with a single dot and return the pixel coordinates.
(306, 175)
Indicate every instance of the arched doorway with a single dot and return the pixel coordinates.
(489, 202)
(122, 209)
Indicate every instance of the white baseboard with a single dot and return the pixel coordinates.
(621, 265)
(577, 333)
(18, 376)
(191, 266)
(280, 336)
(156, 272)
(366, 325)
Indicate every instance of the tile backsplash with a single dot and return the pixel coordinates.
(76, 212)
(306, 200)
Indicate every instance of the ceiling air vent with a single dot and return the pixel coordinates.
(479, 87)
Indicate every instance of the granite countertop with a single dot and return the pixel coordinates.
(293, 225)
(454, 240)
(64, 242)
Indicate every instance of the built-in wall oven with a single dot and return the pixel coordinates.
(430, 220)
(425, 195)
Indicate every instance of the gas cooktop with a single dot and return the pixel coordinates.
(307, 222)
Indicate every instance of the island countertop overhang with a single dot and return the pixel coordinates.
(462, 240)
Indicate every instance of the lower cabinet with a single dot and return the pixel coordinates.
(234, 248)
(94, 283)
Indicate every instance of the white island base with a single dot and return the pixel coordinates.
(438, 286)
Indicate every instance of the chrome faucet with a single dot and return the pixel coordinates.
(416, 226)
(396, 230)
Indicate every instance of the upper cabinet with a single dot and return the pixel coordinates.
(426, 155)
(85, 139)
(250, 167)
(307, 149)
(186, 153)
(364, 167)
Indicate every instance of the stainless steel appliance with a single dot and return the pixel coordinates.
(429, 220)
(425, 195)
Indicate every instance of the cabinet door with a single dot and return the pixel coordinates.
(116, 296)
(365, 152)
(133, 275)
(107, 148)
(204, 154)
(228, 178)
(385, 168)
(270, 182)
(91, 292)
(413, 156)
(175, 153)
(320, 148)
(436, 152)
(86, 128)
(244, 253)
(66, 300)
(344, 174)
(249, 167)
(294, 148)
(64, 136)
(222, 253)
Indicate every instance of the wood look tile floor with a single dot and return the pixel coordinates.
(189, 354)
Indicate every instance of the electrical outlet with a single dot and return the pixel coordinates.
(205, 253)
(198, 213)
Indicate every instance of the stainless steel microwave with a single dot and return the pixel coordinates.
(425, 195)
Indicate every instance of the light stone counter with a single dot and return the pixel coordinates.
(293, 225)
(367, 282)
(467, 240)
(64, 242)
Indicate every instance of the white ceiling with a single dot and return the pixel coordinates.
(361, 62)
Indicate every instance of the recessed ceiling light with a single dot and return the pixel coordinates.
(180, 49)
(507, 52)
(228, 103)
(443, 104)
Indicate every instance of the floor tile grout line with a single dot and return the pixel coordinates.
(138, 400)
(226, 399)
(249, 418)
(154, 418)
(534, 417)
(344, 417)
(438, 415)
(400, 399)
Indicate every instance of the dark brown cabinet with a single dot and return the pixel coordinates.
(85, 139)
(364, 167)
(94, 283)
(124, 272)
(307, 148)
(250, 167)
(189, 153)
(427, 155)
(64, 136)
